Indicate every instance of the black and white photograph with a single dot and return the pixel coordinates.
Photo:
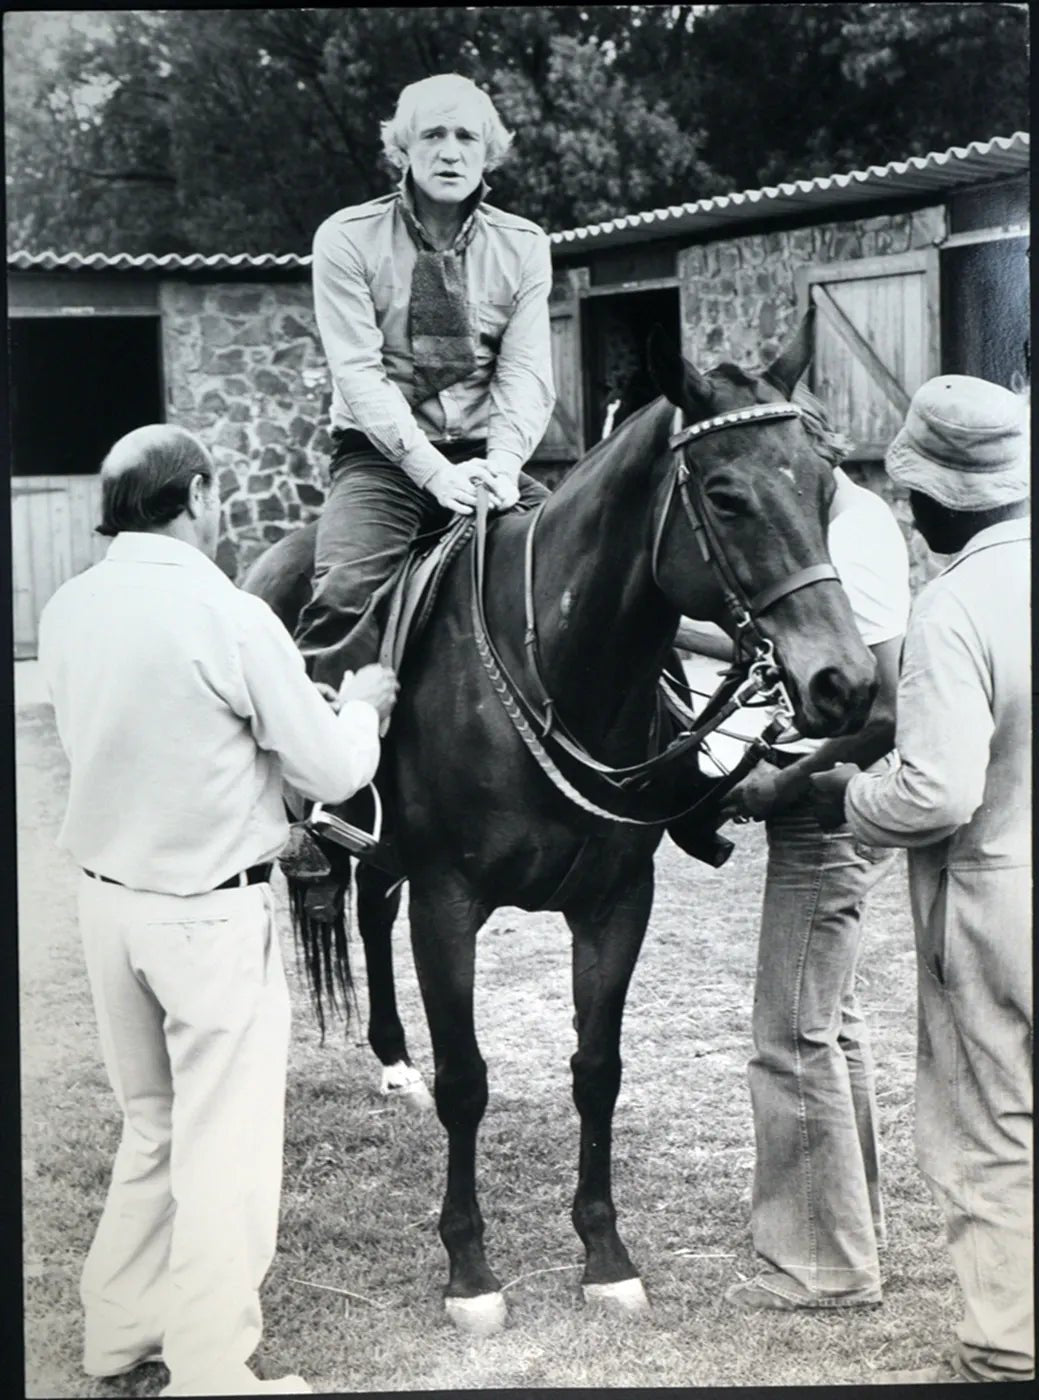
(521, 697)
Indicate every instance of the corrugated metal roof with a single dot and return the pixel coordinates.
(899, 179)
(154, 262)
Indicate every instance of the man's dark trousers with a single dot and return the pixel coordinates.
(372, 514)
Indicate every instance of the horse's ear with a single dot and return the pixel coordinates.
(792, 360)
(675, 377)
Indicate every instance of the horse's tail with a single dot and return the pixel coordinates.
(320, 925)
(319, 906)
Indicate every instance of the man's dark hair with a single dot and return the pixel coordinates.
(145, 482)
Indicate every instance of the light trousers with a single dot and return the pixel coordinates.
(974, 1104)
(193, 1013)
(816, 1210)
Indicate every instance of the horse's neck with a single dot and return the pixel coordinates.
(604, 628)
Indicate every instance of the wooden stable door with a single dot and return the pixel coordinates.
(877, 339)
(52, 538)
(564, 437)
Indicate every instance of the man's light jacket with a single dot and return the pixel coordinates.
(363, 261)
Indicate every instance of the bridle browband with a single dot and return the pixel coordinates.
(537, 723)
(743, 611)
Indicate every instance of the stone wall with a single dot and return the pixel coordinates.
(739, 300)
(245, 370)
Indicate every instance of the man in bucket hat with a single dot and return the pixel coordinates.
(960, 801)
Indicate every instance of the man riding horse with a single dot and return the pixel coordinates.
(433, 311)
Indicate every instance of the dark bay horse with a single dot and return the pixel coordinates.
(618, 556)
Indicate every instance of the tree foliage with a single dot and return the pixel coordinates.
(239, 130)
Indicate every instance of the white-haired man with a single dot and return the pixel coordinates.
(182, 704)
(960, 801)
(433, 311)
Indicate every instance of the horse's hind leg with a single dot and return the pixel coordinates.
(604, 952)
(444, 923)
(378, 903)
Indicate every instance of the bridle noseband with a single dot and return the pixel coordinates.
(686, 484)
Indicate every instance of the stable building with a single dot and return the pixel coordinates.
(915, 267)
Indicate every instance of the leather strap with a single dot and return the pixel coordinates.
(814, 573)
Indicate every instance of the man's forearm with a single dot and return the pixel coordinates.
(704, 639)
(875, 739)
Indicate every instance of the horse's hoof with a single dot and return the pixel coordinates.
(401, 1081)
(481, 1316)
(628, 1297)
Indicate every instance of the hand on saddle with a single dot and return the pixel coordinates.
(453, 484)
(378, 685)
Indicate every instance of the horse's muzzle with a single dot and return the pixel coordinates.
(836, 701)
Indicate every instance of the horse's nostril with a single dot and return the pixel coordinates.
(830, 691)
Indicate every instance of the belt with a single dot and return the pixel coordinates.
(255, 875)
(350, 443)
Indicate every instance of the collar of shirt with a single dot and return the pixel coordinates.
(416, 227)
(150, 547)
(1004, 532)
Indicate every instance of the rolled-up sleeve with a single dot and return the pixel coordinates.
(325, 756)
(522, 390)
(353, 344)
(943, 735)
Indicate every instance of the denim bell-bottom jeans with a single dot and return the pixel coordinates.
(816, 1212)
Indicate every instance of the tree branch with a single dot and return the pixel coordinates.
(140, 177)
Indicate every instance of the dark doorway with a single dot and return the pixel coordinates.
(614, 333)
(76, 386)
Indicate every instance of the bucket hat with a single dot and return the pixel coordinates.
(964, 443)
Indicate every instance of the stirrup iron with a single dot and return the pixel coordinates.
(354, 838)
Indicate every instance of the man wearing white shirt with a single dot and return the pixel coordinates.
(816, 1212)
(182, 705)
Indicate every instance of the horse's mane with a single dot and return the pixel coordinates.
(653, 420)
(642, 435)
(832, 445)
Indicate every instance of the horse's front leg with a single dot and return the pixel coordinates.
(605, 948)
(445, 918)
(378, 903)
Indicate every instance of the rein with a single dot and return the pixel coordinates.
(537, 723)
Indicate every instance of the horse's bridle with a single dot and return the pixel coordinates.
(762, 678)
(686, 484)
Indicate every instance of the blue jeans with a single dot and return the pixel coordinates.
(816, 1212)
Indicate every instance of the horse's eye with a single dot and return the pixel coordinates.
(727, 502)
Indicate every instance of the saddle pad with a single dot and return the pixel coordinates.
(418, 581)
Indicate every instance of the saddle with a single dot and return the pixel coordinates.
(410, 596)
(415, 588)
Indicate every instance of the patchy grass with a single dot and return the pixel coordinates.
(353, 1299)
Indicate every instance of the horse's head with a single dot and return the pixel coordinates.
(763, 487)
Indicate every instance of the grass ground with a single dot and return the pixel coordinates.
(353, 1299)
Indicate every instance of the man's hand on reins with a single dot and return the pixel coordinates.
(756, 797)
(827, 794)
(454, 484)
(500, 481)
